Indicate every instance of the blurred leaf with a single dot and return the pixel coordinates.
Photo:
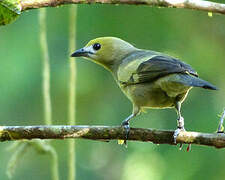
(121, 141)
(210, 14)
(146, 167)
(9, 11)
(21, 148)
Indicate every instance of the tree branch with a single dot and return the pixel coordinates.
(11, 133)
(188, 4)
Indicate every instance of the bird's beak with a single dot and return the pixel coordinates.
(80, 52)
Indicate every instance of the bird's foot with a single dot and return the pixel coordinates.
(220, 129)
(125, 124)
(189, 148)
(176, 133)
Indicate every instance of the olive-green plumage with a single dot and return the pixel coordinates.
(149, 79)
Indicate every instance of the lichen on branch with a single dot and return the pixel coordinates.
(106, 133)
(201, 5)
(10, 9)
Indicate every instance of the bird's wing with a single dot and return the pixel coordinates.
(154, 67)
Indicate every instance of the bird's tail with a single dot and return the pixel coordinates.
(197, 82)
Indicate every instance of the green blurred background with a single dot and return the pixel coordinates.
(190, 35)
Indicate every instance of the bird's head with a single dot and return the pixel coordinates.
(105, 51)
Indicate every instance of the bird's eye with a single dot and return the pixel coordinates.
(96, 46)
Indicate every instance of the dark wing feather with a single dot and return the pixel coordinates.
(160, 66)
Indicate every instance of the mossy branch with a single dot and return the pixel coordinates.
(11, 9)
(187, 4)
(11, 133)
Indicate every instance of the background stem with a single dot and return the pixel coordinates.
(72, 93)
(46, 87)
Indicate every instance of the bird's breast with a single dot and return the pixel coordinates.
(148, 95)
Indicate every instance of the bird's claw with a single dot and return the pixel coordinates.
(176, 133)
(220, 129)
(126, 126)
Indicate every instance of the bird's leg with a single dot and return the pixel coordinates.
(126, 126)
(180, 122)
(126, 123)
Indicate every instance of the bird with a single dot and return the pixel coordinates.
(148, 78)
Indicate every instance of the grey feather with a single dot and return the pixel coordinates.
(195, 82)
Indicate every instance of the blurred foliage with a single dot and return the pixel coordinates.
(9, 11)
(19, 149)
(190, 35)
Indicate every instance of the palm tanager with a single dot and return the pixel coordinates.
(149, 79)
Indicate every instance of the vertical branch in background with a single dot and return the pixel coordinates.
(46, 68)
(72, 93)
(46, 87)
